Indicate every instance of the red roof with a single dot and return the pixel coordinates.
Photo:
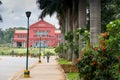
(42, 23)
(20, 31)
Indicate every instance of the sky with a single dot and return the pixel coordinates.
(13, 14)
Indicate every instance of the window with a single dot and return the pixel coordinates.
(21, 36)
(35, 35)
(35, 31)
(48, 31)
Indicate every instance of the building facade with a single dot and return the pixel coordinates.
(41, 34)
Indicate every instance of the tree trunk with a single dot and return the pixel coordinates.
(82, 13)
(69, 52)
(74, 28)
(81, 19)
(95, 20)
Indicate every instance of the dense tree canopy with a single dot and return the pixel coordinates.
(109, 7)
(109, 11)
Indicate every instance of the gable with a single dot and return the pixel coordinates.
(42, 23)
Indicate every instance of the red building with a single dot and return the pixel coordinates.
(41, 34)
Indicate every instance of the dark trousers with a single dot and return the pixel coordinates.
(48, 59)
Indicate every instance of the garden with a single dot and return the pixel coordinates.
(100, 61)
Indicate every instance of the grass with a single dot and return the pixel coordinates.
(63, 61)
(73, 76)
(8, 50)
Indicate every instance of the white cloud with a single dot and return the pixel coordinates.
(13, 13)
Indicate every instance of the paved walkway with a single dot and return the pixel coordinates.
(45, 71)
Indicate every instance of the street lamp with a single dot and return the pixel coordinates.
(44, 47)
(27, 72)
(40, 51)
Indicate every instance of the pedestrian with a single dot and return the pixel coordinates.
(39, 57)
(48, 57)
(12, 53)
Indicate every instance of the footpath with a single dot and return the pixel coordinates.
(45, 71)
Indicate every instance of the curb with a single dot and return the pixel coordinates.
(20, 73)
(63, 71)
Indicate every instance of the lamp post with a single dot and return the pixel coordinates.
(40, 52)
(44, 47)
(27, 72)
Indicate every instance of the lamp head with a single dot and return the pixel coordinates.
(28, 13)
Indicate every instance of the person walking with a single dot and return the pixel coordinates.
(48, 57)
(12, 53)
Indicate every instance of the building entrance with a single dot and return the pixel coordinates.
(19, 44)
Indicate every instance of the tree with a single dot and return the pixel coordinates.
(111, 8)
(95, 20)
(60, 7)
(7, 35)
(81, 19)
(1, 35)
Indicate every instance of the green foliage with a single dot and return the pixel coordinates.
(17, 51)
(6, 36)
(113, 42)
(69, 36)
(102, 62)
(73, 76)
(96, 66)
(49, 52)
(111, 8)
(63, 61)
(21, 28)
(1, 35)
(59, 49)
(62, 47)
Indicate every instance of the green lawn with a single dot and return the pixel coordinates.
(73, 76)
(8, 50)
(63, 61)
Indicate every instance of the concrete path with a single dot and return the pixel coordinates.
(45, 71)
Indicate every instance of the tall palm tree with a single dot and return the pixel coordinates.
(68, 15)
(95, 20)
(49, 7)
(82, 13)
(66, 9)
(81, 19)
(59, 6)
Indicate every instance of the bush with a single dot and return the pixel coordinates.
(96, 66)
(102, 62)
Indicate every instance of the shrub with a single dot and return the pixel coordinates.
(102, 62)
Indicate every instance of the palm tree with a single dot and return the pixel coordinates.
(67, 10)
(81, 19)
(82, 13)
(49, 7)
(95, 20)
(71, 15)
